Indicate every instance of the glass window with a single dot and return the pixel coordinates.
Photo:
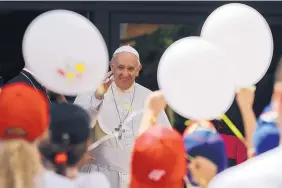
(151, 40)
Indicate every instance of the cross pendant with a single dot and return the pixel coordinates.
(120, 131)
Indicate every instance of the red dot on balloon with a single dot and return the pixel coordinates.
(62, 73)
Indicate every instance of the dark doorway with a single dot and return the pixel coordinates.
(13, 26)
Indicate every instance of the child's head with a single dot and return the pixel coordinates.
(69, 134)
(201, 139)
(158, 159)
(24, 113)
(20, 163)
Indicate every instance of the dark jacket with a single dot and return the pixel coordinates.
(27, 78)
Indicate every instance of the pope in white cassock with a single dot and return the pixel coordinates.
(115, 105)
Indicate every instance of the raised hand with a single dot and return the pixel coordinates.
(104, 86)
(155, 102)
(245, 97)
(108, 80)
(202, 170)
(154, 105)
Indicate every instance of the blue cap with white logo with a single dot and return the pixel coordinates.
(204, 141)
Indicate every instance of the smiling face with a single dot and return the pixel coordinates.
(125, 67)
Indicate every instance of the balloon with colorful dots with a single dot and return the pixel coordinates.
(66, 52)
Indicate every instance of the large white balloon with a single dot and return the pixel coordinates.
(194, 77)
(260, 172)
(245, 35)
(66, 52)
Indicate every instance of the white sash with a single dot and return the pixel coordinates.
(115, 134)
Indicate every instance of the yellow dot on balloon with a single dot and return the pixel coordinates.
(70, 75)
(79, 67)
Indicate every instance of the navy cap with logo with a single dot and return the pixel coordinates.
(71, 120)
(69, 132)
(202, 139)
(267, 134)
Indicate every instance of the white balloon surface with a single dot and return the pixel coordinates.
(246, 37)
(66, 52)
(260, 171)
(194, 77)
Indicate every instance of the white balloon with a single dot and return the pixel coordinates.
(245, 35)
(66, 52)
(194, 78)
(260, 172)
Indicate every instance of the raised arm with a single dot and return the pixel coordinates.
(154, 106)
(89, 102)
(245, 99)
(92, 102)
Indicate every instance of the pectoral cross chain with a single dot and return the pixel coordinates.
(120, 131)
(119, 128)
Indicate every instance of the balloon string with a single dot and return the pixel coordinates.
(233, 128)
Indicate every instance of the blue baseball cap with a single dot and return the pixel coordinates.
(203, 140)
(267, 134)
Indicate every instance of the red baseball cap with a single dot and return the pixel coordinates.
(158, 159)
(24, 112)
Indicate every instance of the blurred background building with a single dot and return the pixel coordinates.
(150, 27)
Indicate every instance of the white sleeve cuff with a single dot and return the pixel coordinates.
(94, 103)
